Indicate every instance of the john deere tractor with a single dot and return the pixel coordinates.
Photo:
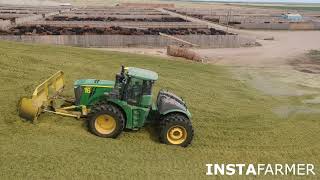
(112, 106)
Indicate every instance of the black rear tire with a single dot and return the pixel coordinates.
(106, 120)
(176, 129)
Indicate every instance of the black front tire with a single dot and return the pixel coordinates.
(106, 120)
(176, 129)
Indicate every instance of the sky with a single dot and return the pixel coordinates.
(281, 1)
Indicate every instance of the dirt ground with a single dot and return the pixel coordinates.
(285, 46)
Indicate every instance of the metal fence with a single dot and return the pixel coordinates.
(150, 41)
(281, 26)
(126, 24)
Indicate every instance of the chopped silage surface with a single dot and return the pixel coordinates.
(233, 123)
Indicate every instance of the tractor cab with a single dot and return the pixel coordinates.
(134, 85)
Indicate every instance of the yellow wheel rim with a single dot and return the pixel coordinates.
(105, 124)
(177, 135)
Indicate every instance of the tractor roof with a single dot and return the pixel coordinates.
(142, 73)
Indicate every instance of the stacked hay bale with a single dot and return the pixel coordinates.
(177, 51)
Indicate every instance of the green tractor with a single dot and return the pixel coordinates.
(112, 106)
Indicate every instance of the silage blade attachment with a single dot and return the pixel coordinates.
(30, 108)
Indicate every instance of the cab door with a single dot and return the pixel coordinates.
(135, 92)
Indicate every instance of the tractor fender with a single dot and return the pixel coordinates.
(171, 111)
(170, 103)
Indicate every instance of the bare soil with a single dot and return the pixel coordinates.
(286, 46)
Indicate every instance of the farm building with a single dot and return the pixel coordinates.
(292, 17)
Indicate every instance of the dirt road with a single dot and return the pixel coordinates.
(287, 45)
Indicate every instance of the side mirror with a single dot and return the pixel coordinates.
(146, 101)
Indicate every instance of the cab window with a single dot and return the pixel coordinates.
(134, 91)
(147, 87)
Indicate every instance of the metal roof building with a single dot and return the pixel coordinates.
(292, 17)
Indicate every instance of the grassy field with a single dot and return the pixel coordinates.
(233, 123)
